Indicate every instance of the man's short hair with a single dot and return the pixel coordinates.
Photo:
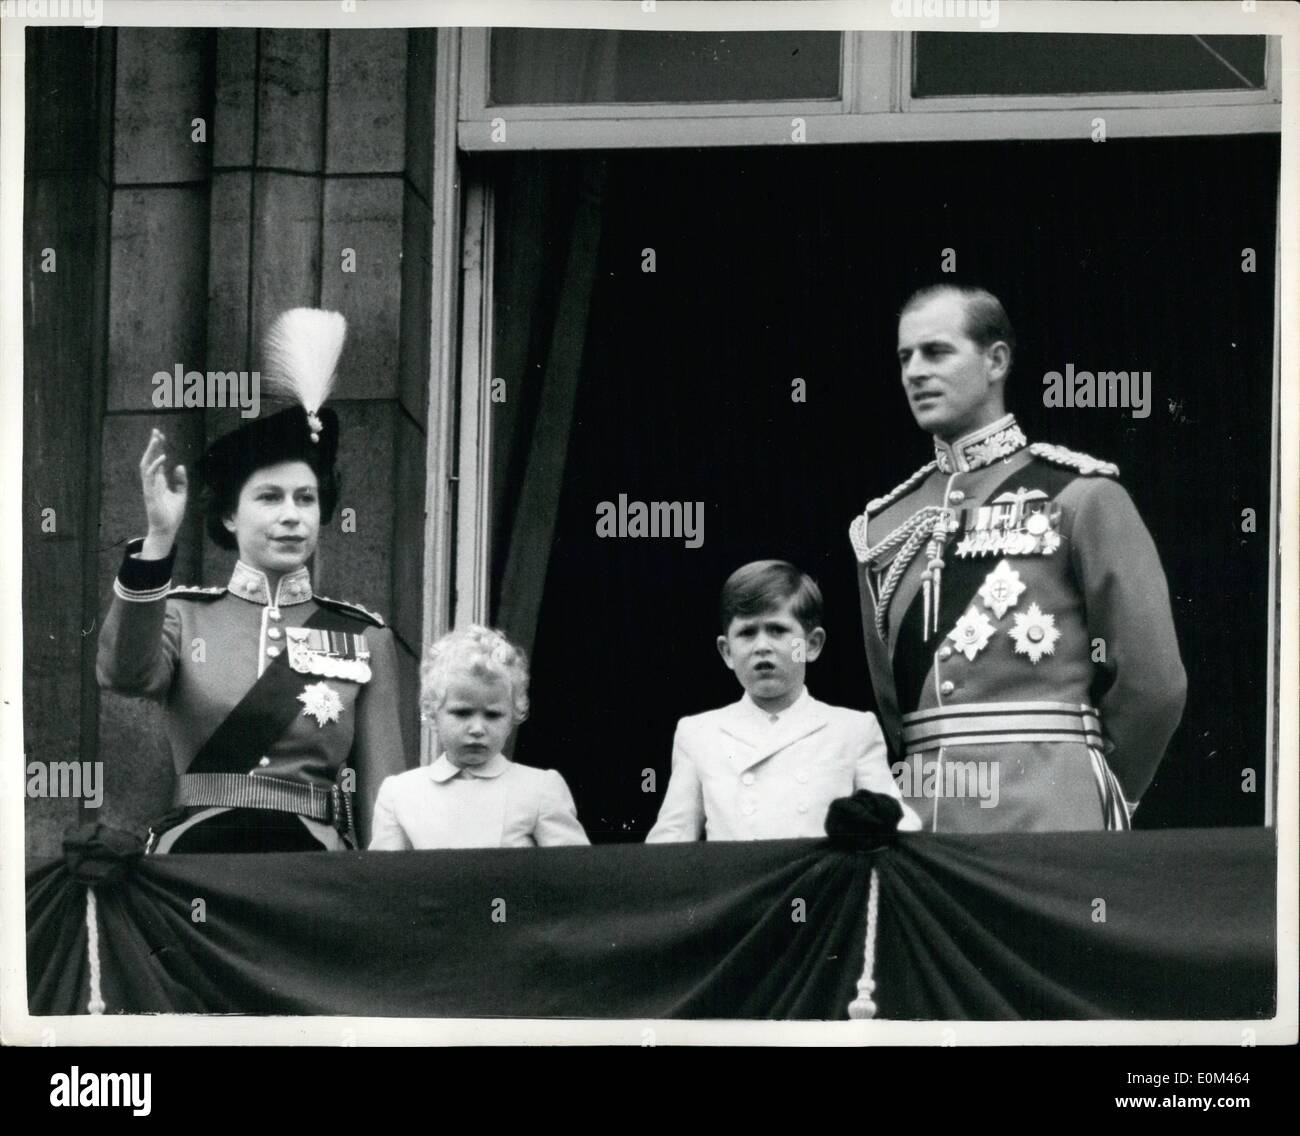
(764, 585)
(986, 318)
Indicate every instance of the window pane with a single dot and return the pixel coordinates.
(1014, 63)
(562, 65)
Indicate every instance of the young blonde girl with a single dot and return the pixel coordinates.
(474, 689)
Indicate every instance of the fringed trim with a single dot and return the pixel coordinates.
(1086, 464)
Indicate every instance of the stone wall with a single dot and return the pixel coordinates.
(178, 241)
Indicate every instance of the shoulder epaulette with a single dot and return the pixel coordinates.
(878, 503)
(858, 529)
(184, 592)
(351, 609)
(858, 537)
(1086, 464)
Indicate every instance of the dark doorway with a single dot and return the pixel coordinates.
(790, 263)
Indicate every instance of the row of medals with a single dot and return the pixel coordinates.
(306, 661)
(1034, 534)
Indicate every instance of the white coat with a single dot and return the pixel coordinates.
(738, 774)
(497, 805)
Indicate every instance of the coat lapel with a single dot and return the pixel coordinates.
(741, 724)
(759, 744)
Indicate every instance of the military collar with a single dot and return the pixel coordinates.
(253, 585)
(444, 769)
(986, 445)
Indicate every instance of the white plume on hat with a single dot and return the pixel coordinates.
(301, 352)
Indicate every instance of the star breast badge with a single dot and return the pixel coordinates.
(321, 701)
(1001, 589)
(1035, 633)
(972, 633)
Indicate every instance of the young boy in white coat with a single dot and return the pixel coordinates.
(767, 767)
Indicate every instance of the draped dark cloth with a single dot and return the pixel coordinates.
(1139, 925)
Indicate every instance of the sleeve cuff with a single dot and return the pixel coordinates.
(143, 581)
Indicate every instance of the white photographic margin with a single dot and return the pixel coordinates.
(19, 1028)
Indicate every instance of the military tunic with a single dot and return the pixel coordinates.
(200, 651)
(1019, 638)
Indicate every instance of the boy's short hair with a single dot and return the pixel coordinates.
(479, 651)
(763, 585)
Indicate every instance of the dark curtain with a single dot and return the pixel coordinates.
(969, 927)
(548, 225)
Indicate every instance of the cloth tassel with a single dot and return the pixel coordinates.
(863, 1007)
(96, 1003)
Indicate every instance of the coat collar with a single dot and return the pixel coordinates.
(767, 719)
(443, 769)
(983, 447)
(253, 585)
(748, 724)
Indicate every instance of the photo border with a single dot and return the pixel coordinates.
(17, 1027)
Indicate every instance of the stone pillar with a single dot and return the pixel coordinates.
(65, 250)
(221, 177)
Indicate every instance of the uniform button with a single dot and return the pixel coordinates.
(802, 778)
(748, 810)
(945, 652)
(273, 652)
(956, 497)
(803, 806)
(264, 762)
(946, 688)
(273, 633)
(747, 779)
(274, 614)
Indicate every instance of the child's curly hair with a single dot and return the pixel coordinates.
(475, 650)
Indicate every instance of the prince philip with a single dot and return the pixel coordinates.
(1015, 611)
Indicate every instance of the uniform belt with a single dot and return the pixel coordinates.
(996, 723)
(254, 791)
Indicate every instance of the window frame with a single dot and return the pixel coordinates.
(475, 108)
(1269, 94)
(875, 105)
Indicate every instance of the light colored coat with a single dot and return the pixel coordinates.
(497, 805)
(738, 775)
